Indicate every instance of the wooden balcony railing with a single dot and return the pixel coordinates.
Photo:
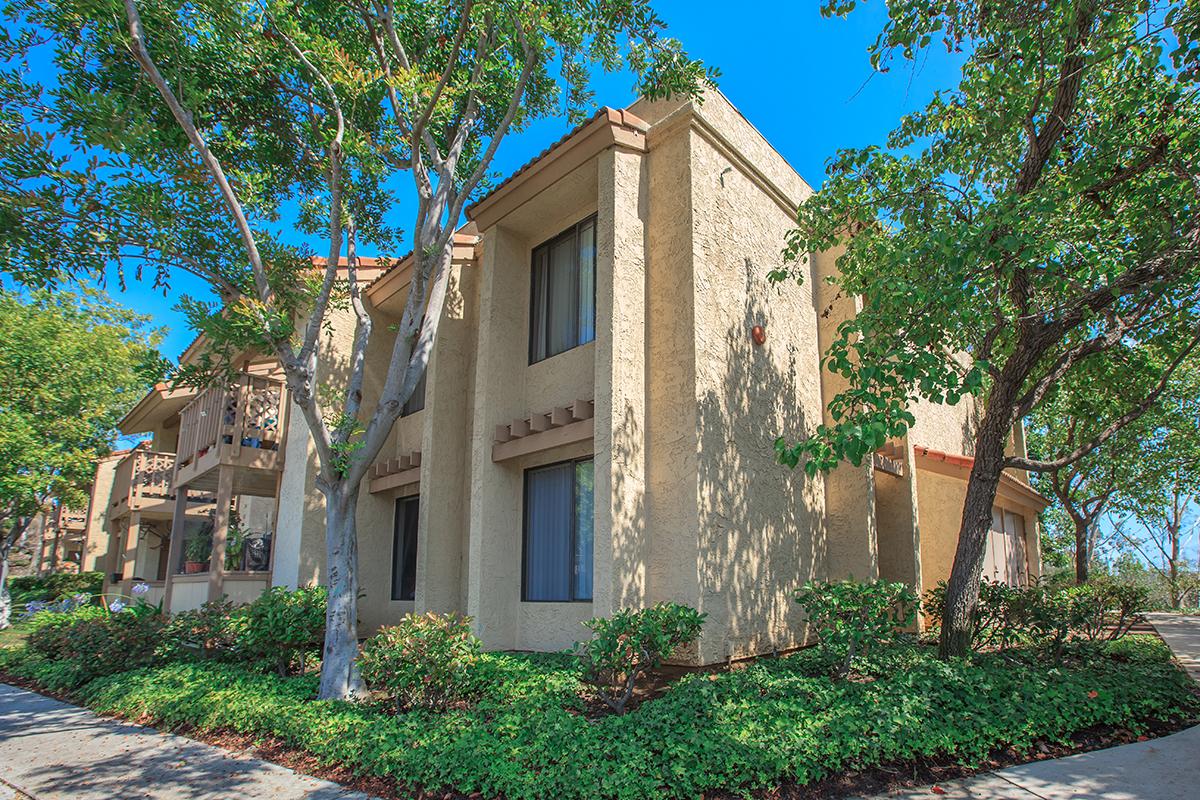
(70, 519)
(142, 479)
(241, 427)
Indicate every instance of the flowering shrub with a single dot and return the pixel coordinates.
(630, 642)
(281, 627)
(852, 616)
(63, 605)
(426, 661)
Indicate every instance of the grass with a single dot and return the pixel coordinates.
(13, 636)
(530, 736)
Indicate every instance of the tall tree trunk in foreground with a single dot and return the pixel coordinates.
(339, 668)
(6, 545)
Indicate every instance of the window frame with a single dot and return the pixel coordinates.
(407, 410)
(573, 232)
(574, 462)
(400, 505)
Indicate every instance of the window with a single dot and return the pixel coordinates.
(404, 549)
(416, 400)
(562, 312)
(557, 563)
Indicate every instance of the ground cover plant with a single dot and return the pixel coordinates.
(527, 735)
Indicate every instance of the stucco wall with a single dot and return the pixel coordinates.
(761, 526)
(96, 554)
(507, 387)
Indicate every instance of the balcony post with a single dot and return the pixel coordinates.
(129, 559)
(178, 529)
(216, 563)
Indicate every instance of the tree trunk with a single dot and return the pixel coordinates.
(340, 679)
(962, 589)
(1082, 556)
(5, 598)
(1176, 594)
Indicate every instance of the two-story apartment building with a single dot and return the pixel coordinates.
(595, 428)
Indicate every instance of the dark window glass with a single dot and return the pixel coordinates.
(404, 549)
(416, 400)
(562, 310)
(558, 533)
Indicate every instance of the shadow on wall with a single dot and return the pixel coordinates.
(630, 545)
(761, 526)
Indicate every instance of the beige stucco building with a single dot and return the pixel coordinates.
(597, 423)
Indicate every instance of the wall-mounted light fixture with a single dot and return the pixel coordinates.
(759, 334)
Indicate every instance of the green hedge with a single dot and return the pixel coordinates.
(44, 588)
(526, 737)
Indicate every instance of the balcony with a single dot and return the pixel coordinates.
(71, 520)
(142, 484)
(239, 428)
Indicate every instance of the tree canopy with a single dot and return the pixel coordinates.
(1040, 217)
(211, 133)
(70, 366)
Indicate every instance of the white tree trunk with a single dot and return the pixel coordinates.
(5, 598)
(340, 679)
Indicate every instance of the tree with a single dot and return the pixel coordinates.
(70, 365)
(1039, 218)
(1157, 510)
(1087, 489)
(217, 124)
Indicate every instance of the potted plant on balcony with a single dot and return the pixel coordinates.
(235, 542)
(197, 551)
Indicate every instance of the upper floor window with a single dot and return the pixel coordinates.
(416, 400)
(562, 311)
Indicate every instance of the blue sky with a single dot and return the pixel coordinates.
(796, 76)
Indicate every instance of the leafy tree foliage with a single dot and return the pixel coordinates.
(70, 366)
(1041, 217)
(1130, 471)
(212, 129)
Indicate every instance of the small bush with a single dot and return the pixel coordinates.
(426, 661)
(46, 588)
(630, 642)
(211, 631)
(91, 642)
(281, 627)
(852, 616)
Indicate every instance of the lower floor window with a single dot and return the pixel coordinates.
(557, 558)
(404, 549)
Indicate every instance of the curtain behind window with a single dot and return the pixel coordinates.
(562, 314)
(584, 514)
(549, 508)
(587, 281)
(416, 400)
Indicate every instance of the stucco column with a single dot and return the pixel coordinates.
(899, 532)
(494, 534)
(446, 452)
(851, 537)
(620, 405)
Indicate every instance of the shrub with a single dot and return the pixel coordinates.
(211, 631)
(92, 642)
(630, 642)
(282, 626)
(45, 588)
(426, 661)
(738, 733)
(852, 616)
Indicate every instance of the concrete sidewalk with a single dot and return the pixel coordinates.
(55, 751)
(1160, 769)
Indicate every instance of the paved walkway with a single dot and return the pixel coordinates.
(1160, 769)
(55, 751)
